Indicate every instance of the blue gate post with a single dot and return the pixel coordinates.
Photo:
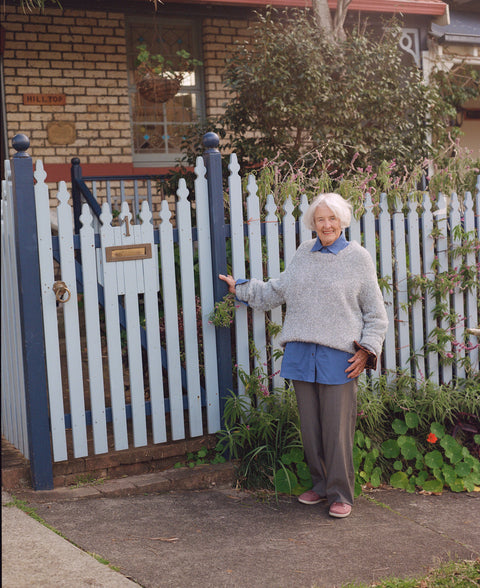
(31, 316)
(213, 163)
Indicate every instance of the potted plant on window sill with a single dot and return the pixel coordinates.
(158, 79)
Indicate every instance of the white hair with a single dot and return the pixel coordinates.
(338, 205)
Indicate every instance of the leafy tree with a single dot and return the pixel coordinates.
(293, 91)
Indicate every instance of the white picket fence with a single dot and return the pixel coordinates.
(14, 412)
(174, 414)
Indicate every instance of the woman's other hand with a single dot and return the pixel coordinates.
(357, 364)
(229, 281)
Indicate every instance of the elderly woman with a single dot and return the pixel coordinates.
(334, 327)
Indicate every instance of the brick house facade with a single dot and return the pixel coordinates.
(66, 81)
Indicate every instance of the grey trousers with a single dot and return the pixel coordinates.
(328, 417)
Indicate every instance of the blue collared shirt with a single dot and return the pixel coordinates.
(310, 362)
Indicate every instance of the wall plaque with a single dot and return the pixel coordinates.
(45, 99)
(61, 133)
(128, 252)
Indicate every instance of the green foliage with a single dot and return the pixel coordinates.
(157, 64)
(223, 312)
(393, 439)
(449, 465)
(296, 97)
(293, 90)
(261, 430)
(461, 574)
(201, 457)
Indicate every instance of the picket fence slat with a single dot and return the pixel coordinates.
(112, 327)
(472, 295)
(256, 268)
(458, 306)
(305, 233)
(428, 256)
(289, 232)
(92, 330)
(416, 308)
(442, 256)
(238, 268)
(386, 272)
(171, 323)
(273, 269)
(71, 324)
(189, 309)
(369, 232)
(206, 297)
(399, 255)
(50, 321)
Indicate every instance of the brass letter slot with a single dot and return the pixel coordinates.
(129, 252)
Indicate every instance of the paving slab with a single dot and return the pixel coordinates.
(33, 555)
(221, 537)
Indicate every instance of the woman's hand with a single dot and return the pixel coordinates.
(229, 281)
(358, 363)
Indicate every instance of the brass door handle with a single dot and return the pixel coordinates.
(62, 293)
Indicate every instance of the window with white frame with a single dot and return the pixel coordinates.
(158, 127)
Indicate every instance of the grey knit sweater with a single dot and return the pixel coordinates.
(332, 300)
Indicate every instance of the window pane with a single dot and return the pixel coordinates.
(159, 127)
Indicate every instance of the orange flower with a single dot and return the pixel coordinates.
(431, 438)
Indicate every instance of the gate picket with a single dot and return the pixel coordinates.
(206, 297)
(72, 325)
(112, 325)
(152, 325)
(189, 309)
(170, 308)
(133, 285)
(92, 328)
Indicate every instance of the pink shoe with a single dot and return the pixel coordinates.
(340, 510)
(310, 497)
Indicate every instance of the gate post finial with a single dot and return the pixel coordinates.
(211, 141)
(21, 143)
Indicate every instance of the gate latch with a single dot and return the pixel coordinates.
(62, 293)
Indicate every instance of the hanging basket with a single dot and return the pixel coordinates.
(156, 88)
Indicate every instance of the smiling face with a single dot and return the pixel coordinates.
(327, 225)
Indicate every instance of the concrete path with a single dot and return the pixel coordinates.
(219, 537)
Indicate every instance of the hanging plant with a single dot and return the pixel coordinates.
(158, 79)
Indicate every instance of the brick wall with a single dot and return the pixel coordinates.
(82, 55)
(79, 54)
(219, 36)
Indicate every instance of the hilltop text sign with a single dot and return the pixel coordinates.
(45, 99)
